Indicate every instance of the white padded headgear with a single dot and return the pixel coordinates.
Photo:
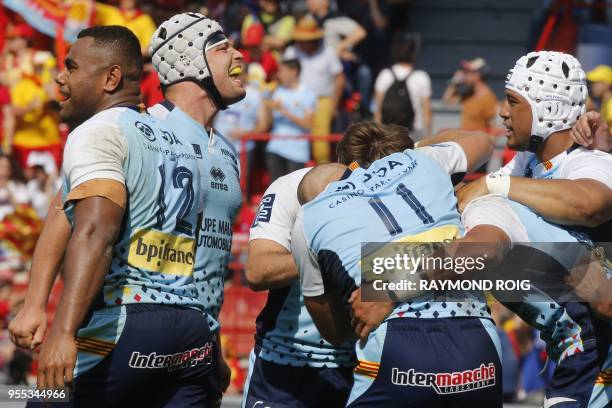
(554, 84)
(178, 45)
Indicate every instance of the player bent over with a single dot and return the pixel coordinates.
(291, 363)
(413, 355)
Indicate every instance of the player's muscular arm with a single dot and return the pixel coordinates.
(476, 145)
(28, 327)
(269, 265)
(591, 284)
(470, 191)
(567, 202)
(88, 256)
(493, 242)
(330, 317)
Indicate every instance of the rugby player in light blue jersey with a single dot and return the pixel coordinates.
(292, 364)
(559, 180)
(576, 339)
(201, 99)
(439, 349)
(186, 70)
(565, 183)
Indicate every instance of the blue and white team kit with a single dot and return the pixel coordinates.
(576, 339)
(291, 365)
(427, 353)
(168, 263)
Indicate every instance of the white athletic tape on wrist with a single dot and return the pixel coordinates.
(498, 184)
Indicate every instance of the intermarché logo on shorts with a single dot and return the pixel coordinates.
(447, 383)
(160, 252)
(173, 362)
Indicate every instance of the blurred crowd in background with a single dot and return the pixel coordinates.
(312, 67)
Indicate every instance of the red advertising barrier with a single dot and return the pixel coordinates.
(238, 314)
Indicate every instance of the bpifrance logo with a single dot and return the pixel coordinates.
(157, 251)
(447, 383)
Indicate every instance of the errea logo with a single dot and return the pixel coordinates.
(219, 176)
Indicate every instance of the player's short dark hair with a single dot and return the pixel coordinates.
(366, 142)
(124, 45)
(293, 64)
(404, 47)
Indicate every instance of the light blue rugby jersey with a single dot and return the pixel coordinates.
(574, 163)
(285, 331)
(221, 195)
(403, 197)
(153, 258)
(566, 327)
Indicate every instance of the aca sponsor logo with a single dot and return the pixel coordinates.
(170, 138)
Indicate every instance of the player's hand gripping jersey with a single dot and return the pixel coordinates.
(575, 339)
(219, 168)
(404, 197)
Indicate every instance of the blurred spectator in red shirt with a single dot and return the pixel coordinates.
(150, 90)
(254, 53)
(17, 54)
(278, 28)
(7, 119)
(37, 126)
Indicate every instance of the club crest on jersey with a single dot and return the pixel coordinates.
(348, 186)
(197, 150)
(264, 212)
(145, 130)
(447, 383)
